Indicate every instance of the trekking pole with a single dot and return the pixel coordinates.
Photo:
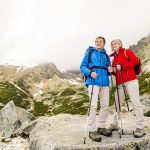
(117, 112)
(124, 89)
(90, 100)
(125, 93)
(120, 126)
(115, 103)
(119, 108)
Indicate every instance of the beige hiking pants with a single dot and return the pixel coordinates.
(132, 89)
(103, 92)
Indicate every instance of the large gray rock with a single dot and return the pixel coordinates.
(8, 120)
(12, 118)
(39, 134)
(66, 131)
(24, 116)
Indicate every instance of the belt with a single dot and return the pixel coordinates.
(99, 67)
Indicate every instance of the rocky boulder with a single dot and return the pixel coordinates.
(12, 118)
(145, 100)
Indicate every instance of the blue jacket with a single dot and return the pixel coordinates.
(98, 58)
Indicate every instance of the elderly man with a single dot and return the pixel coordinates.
(125, 73)
(95, 66)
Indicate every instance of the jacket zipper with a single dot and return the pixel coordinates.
(101, 69)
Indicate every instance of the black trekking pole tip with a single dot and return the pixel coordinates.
(120, 135)
(122, 132)
(133, 132)
(84, 141)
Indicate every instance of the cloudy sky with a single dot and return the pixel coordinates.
(59, 31)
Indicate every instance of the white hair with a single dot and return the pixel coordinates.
(118, 41)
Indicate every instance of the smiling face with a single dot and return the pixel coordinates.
(116, 45)
(100, 43)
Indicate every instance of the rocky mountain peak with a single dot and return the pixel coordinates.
(142, 49)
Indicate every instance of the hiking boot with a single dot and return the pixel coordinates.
(95, 136)
(104, 131)
(139, 133)
(113, 127)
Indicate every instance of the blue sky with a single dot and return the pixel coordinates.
(59, 31)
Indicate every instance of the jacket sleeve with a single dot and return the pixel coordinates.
(84, 65)
(113, 64)
(133, 60)
(109, 62)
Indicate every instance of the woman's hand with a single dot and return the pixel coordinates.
(110, 69)
(118, 67)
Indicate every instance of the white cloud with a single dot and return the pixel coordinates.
(36, 31)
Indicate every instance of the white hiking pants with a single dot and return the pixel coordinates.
(103, 92)
(132, 89)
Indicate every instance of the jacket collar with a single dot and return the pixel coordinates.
(121, 50)
(95, 49)
(114, 54)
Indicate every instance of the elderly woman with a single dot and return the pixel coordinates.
(123, 68)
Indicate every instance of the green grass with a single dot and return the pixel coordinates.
(67, 104)
(71, 106)
(67, 92)
(8, 92)
(144, 85)
(53, 93)
(40, 109)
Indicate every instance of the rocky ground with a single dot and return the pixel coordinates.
(17, 143)
(65, 131)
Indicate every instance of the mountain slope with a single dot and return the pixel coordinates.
(142, 49)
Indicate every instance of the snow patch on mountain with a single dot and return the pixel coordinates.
(73, 82)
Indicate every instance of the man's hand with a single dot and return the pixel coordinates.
(94, 75)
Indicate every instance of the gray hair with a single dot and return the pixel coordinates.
(116, 40)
